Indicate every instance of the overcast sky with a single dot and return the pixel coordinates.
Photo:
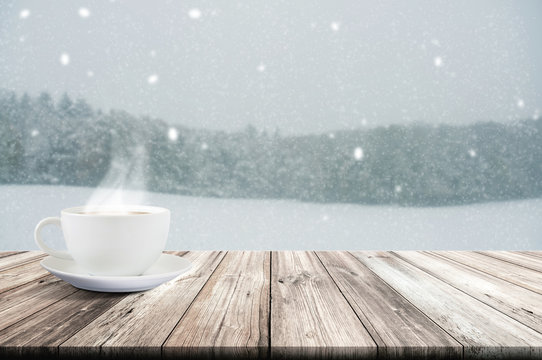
(301, 66)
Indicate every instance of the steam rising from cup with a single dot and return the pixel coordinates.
(124, 183)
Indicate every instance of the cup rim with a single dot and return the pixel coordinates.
(77, 210)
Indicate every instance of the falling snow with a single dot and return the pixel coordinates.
(152, 53)
(520, 103)
(331, 135)
(335, 26)
(204, 146)
(358, 153)
(64, 59)
(84, 12)
(173, 134)
(472, 153)
(261, 67)
(194, 13)
(34, 132)
(437, 61)
(398, 188)
(90, 73)
(152, 79)
(25, 13)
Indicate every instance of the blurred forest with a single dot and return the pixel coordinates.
(68, 142)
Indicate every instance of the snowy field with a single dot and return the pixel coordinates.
(207, 223)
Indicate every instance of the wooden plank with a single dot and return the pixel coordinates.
(26, 300)
(517, 302)
(230, 316)
(529, 262)
(537, 254)
(21, 274)
(529, 279)
(9, 253)
(483, 331)
(41, 333)
(399, 329)
(15, 260)
(141, 322)
(309, 315)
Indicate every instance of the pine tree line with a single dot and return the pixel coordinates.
(70, 143)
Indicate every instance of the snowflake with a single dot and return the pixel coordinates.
(261, 67)
(358, 153)
(325, 217)
(331, 135)
(521, 103)
(24, 13)
(84, 12)
(152, 79)
(22, 39)
(364, 122)
(536, 114)
(64, 59)
(90, 73)
(204, 146)
(335, 26)
(472, 153)
(173, 134)
(194, 13)
(34, 132)
(437, 61)
(153, 53)
(398, 188)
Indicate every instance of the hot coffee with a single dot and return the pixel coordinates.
(110, 241)
(114, 213)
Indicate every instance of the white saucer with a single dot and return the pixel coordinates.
(167, 267)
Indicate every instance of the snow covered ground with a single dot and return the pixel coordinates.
(208, 223)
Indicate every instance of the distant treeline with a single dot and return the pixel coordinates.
(70, 143)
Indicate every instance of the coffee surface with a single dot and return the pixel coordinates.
(114, 213)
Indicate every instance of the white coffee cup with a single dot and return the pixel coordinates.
(110, 241)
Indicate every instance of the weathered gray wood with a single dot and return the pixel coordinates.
(9, 253)
(231, 314)
(141, 322)
(19, 259)
(482, 330)
(529, 279)
(517, 302)
(42, 332)
(537, 254)
(309, 315)
(21, 274)
(26, 300)
(529, 262)
(399, 329)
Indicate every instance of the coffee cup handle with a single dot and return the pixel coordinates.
(41, 244)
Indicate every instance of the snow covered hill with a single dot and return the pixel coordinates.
(209, 223)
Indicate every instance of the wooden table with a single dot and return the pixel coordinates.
(286, 304)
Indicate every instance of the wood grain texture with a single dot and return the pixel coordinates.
(519, 275)
(231, 314)
(309, 315)
(14, 260)
(533, 263)
(26, 300)
(517, 302)
(537, 254)
(9, 253)
(399, 328)
(42, 332)
(482, 330)
(17, 275)
(141, 322)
